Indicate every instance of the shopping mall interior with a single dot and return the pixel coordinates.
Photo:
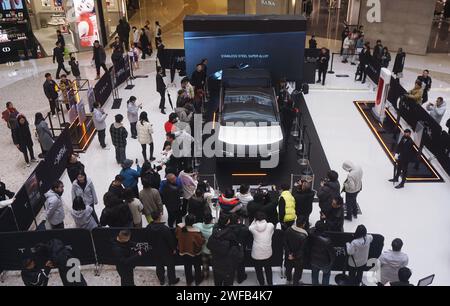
(359, 112)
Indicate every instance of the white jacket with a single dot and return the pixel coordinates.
(262, 239)
(144, 132)
(358, 251)
(391, 262)
(354, 179)
(132, 112)
(189, 184)
(244, 198)
(437, 113)
(99, 120)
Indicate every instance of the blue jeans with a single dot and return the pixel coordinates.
(315, 276)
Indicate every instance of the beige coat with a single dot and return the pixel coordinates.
(144, 132)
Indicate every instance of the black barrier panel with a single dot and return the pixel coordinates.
(339, 241)
(103, 240)
(55, 162)
(22, 210)
(173, 58)
(7, 223)
(15, 246)
(373, 70)
(103, 88)
(121, 71)
(396, 91)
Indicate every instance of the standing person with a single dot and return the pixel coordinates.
(352, 186)
(164, 245)
(54, 206)
(130, 176)
(66, 86)
(262, 247)
(296, 238)
(144, 136)
(136, 37)
(58, 56)
(313, 42)
(426, 84)
(364, 58)
(84, 188)
(437, 110)
(346, 48)
(392, 261)
(60, 39)
(244, 196)
(304, 198)
(226, 252)
(286, 207)
(135, 206)
(189, 182)
(329, 188)
(399, 63)
(378, 51)
(158, 33)
(43, 132)
(287, 114)
(22, 139)
(123, 249)
(145, 43)
(385, 58)
(334, 218)
(150, 198)
(344, 35)
(324, 59)
(133, 115)
(123, 30)
(116, 187)
(171, 192)
(228, 202)
(309, 8)
(358, 253)
(99, 58)
(119, 138)
(82, 215)
(100, 124)
(206, 228)
(75, 67)
(116, 212)
(197, 78)
(74, 166)
(404, 155)
(190, 243)
(51, 92)
(10, 117)
(161, 89)
(198, 206)
(322, 254)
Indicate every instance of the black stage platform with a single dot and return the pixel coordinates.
(387, 135)
(289, 169)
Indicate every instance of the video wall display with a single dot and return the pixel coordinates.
(86, 22)
(11, 5)
(277, 45)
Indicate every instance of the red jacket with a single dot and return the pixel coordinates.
(228, 204)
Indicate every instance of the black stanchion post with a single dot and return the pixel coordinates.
(332, 62)
(130, 77)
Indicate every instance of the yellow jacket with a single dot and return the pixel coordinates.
(416, 95)
(290, 214)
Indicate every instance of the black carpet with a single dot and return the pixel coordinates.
(387, 135)
(288, 166)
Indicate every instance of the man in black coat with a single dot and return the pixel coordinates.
(322, 254)
(378, 51)
(295, 245)
(405, 154)
(171, 194)
(161, 89)
(164, 248)
(126, 257)
(334, 217)
(364, 57)
(58, 55)
(244, 237)
(198, 77)
(123, 30)
(51, 92)
(323, 60)
(266, 203)
(426, 84)
(226, 252)
(304, 198)
(399, 62)
(329, 188)
(99, 58)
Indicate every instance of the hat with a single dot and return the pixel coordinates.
(127, 163)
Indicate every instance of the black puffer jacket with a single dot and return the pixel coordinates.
(327, 193)
(303, 202)
(322, 253)
(296, 242)
(226, 251)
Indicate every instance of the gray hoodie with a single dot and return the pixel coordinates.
(54, 208)
(353, 183)
(83, 218)
(132, 112)
(391, 262)
(88, 194)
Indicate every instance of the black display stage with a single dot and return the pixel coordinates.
(289, 170)
(387, 135)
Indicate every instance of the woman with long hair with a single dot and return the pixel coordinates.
(43, 132)
(144, 135)
(358, 253)
(22, 139)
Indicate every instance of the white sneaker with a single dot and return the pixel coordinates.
(106, 148)
(28, 165)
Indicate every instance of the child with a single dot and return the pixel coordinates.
(75, 66)
(134, 56)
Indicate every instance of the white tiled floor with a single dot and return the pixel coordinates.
(419, 214)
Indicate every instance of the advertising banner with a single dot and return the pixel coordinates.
(86, 20)
(103, 89)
